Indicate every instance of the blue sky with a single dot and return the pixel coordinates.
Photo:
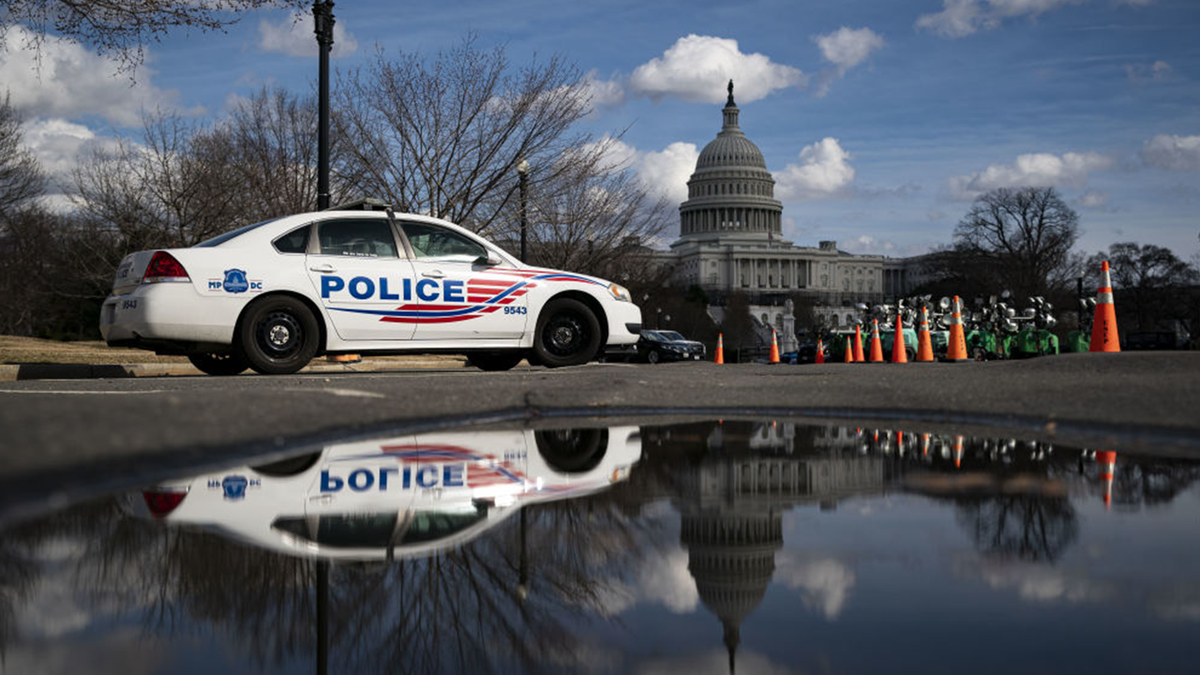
(881, 120)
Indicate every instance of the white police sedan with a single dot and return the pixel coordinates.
(397, 497)
(273, 295)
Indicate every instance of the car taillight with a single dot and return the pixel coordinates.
(163, 502)
(164, 267)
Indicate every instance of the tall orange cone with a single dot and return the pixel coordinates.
(774, 357)
(957, 349)
(848, 357)
(958, 451)
(924, 341)
(720, 359)
(820, 351)
(876, 345)
(899, 354)
(858, 350)
(1104, 321)
(1108, 464)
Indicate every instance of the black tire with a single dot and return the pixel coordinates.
(495, 361)
(567, 334)
(653, 357)
(572, 450)
(278, 335)
(910, 354)
(209, 363)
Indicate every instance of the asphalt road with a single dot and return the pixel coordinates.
(54, 432)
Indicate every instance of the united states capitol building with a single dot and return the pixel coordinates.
(731, 240)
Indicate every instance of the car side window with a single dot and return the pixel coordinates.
(431, 241)
(295, 241)
(357, 238)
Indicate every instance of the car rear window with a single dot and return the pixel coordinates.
(295, 241)
(222, 238)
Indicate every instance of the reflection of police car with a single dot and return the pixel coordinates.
(273, 295)
(399, 496)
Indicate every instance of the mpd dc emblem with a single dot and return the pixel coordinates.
(234, 487)
(235, 281)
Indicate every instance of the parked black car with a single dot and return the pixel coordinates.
(667, 345)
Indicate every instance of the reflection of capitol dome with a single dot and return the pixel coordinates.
(731, 189)
(732, 558)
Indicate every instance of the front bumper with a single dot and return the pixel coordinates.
(622, 316)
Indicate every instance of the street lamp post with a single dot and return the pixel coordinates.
(323, 27)
(523, 173)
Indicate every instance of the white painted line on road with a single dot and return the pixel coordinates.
(350, 393)
(78, 391)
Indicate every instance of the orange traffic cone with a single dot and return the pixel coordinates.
(858, 350)
(898, 347)
(774, 357)
(958, 450)
(1104, 321)
(924, 341)
(957, 349)
(848, 357)
(876, 345)
(1108, 464)
(820, 351)
(720, 359)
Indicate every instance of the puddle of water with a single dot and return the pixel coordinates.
(755, 546)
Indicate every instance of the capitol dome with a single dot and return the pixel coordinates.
(730, 190)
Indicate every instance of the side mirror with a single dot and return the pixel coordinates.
(488, 259)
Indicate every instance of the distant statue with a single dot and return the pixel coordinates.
(789, 307)
(730, 92)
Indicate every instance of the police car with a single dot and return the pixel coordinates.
(273, 295)
(398, 497)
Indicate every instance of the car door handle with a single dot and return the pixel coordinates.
(433, 274)
(325, 267)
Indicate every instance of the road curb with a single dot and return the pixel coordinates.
(84, 371)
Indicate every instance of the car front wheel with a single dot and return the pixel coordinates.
(567, 334)
(653, 357)
(278, 335)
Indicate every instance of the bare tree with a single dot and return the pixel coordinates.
(1020, 239)
(443, 136)
(123, 28)
(1150, 277)
(21, 179)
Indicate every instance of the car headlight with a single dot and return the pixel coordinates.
(620, 292)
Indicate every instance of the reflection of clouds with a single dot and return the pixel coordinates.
(664, 580)
(715, 661)
(125, 651)
(824, 583)
(1035, 583)
(1180, 602)
(53, 608)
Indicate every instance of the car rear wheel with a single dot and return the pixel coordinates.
(278, 335)
(567, 334)
(572, 450)
(653, 357)
(231, 363)
(493, 361)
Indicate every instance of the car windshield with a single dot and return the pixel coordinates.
(222, 238)
(671, 335)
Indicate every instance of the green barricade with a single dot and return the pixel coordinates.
(1077, 341)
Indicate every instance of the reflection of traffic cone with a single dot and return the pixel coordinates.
(858, 350)
(958, 443)
(924, 445)
(898, 346)
(876, 345)
(900, 442)
(720, 349)
(774, 357)
(820, 351)
(1104, 321)
(1108, 464)
(924, 342)
(848, 357)
(957, 349)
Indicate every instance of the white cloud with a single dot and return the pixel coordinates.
(603, 93)
(57, 144)
(293, 36)
(1094, 199)
(70, 80)
(1140, 73)
(1035, 583)
(824, 583)
(960, 18)
(1040, 169)
(697, 67)
(1175, 153)
(846, 48)
(824, 170)
(666, 581)
(664, 172)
